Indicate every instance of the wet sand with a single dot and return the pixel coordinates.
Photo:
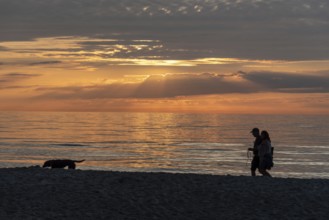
(36, 193)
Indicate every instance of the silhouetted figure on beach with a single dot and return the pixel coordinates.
(265, 154)
(255, 159)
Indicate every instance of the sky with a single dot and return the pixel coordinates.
(198, 56)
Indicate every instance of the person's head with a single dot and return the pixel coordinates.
(265, 136)
(255, 132)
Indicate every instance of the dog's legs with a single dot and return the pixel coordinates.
(72, 166)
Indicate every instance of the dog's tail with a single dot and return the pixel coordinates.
(78, 161)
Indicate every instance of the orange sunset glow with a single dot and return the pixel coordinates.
(189, 57)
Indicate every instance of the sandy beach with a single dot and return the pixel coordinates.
(36, 193)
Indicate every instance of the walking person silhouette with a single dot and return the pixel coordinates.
(255, 159)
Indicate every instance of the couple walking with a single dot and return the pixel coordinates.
(262, 151)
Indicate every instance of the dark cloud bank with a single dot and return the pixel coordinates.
(198, 84)
(268, 29)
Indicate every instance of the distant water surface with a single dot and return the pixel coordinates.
(164, 142)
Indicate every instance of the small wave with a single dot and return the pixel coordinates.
(41, 128)
(305, 146)
(303, 163)
(211, 144)
(302, 153)
(207, 149)
(122, 142)
(70, 145)
(306, 126)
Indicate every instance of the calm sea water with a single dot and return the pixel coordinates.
(163, 142)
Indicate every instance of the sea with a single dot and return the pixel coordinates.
(164, 142)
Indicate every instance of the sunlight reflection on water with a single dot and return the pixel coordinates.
(158, 142)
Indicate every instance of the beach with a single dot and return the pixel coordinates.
(37, 193)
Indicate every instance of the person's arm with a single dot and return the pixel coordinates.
(253, 150)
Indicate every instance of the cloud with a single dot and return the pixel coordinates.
(10, 78)
(271, 29)
(2, 48)
(16, 81)
(61, 9)
(84, 49)
(292, 83)
(20, 75)
(96, 51)
(156, 86)
(174, 85)
(45, 63)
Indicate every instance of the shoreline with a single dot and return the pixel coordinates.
(36, 193)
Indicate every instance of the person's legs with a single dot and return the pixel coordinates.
(268, 174)
(254, 165)
(264, 172)
(263, 166)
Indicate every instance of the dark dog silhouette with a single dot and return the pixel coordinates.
(61, 163)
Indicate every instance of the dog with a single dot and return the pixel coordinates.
(61, 163)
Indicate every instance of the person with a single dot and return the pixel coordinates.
(255, 159)
(265, 154)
